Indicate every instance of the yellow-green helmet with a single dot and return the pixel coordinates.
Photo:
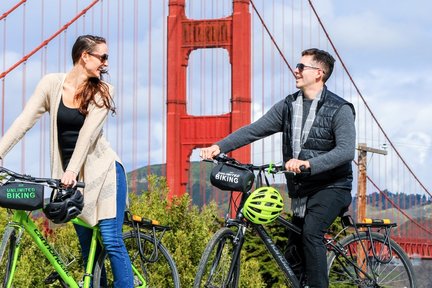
(263, 206)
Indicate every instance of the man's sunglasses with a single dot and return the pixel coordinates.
(102, 58)
(301, 67)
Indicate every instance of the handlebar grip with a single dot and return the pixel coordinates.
(221, 157)
(305, 170)
(80, 185)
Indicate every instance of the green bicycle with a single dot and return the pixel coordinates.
(152, 264)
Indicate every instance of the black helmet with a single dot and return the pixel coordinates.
(64, 206)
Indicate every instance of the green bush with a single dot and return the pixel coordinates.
(191, 230)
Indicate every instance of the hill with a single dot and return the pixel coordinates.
(199, 186)
(416, 205)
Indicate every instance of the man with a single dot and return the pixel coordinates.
(318, 134)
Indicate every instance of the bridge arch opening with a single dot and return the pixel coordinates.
(208, 82)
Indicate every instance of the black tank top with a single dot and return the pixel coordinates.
(69, 123)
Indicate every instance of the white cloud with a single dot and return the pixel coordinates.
(366, 31)
(417, 145)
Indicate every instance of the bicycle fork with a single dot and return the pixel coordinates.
(234, 269)
(17, 233)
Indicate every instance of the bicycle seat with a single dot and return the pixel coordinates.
(346, 218)
(343, 211)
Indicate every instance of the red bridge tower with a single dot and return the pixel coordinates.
(186, 132)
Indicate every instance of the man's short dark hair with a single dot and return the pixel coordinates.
(322, 57)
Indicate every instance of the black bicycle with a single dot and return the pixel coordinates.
(360, 255)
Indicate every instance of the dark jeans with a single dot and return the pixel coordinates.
(321, 210)
(112, 238)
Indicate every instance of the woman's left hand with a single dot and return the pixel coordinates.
(69, 178)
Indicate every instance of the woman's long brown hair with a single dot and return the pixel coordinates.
(86, 93)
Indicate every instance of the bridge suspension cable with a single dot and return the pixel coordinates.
(48, 40)
(138, 46)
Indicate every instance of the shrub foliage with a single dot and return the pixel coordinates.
(192, 228)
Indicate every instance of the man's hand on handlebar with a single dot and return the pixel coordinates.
(297, 166)
(209, 152)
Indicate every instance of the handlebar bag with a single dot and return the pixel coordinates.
(230, 177)
(22, 196)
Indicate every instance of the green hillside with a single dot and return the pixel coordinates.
(199, 188)
(202, 192)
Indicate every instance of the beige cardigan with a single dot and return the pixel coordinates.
(93, 157)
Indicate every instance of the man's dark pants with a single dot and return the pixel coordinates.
(322, 209)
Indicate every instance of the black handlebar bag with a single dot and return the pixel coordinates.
(230, 177)
(21, 196)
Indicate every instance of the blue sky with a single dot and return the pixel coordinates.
(384, 44)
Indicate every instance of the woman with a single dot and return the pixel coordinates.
(78, 103)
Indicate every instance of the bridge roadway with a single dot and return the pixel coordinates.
(416, 247)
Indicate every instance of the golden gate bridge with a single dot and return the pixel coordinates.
(187, 73)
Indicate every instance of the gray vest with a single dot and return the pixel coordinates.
(319, 141)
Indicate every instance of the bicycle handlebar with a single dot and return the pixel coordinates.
(53, 183)
(269, 168)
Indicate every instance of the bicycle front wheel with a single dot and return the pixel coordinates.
(221, 254)
(156, 269)
(7, 253)
(390, 267)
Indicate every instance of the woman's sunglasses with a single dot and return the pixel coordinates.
(102, 58)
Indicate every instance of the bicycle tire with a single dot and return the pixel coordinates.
(216, 261)
(162, 273)
(7, 251)
(390, 272)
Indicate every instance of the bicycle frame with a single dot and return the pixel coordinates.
(21, 221)
(266, 239)
(271, 247)
(277, 255)
(275, 252)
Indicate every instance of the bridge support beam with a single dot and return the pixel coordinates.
(186, 132)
